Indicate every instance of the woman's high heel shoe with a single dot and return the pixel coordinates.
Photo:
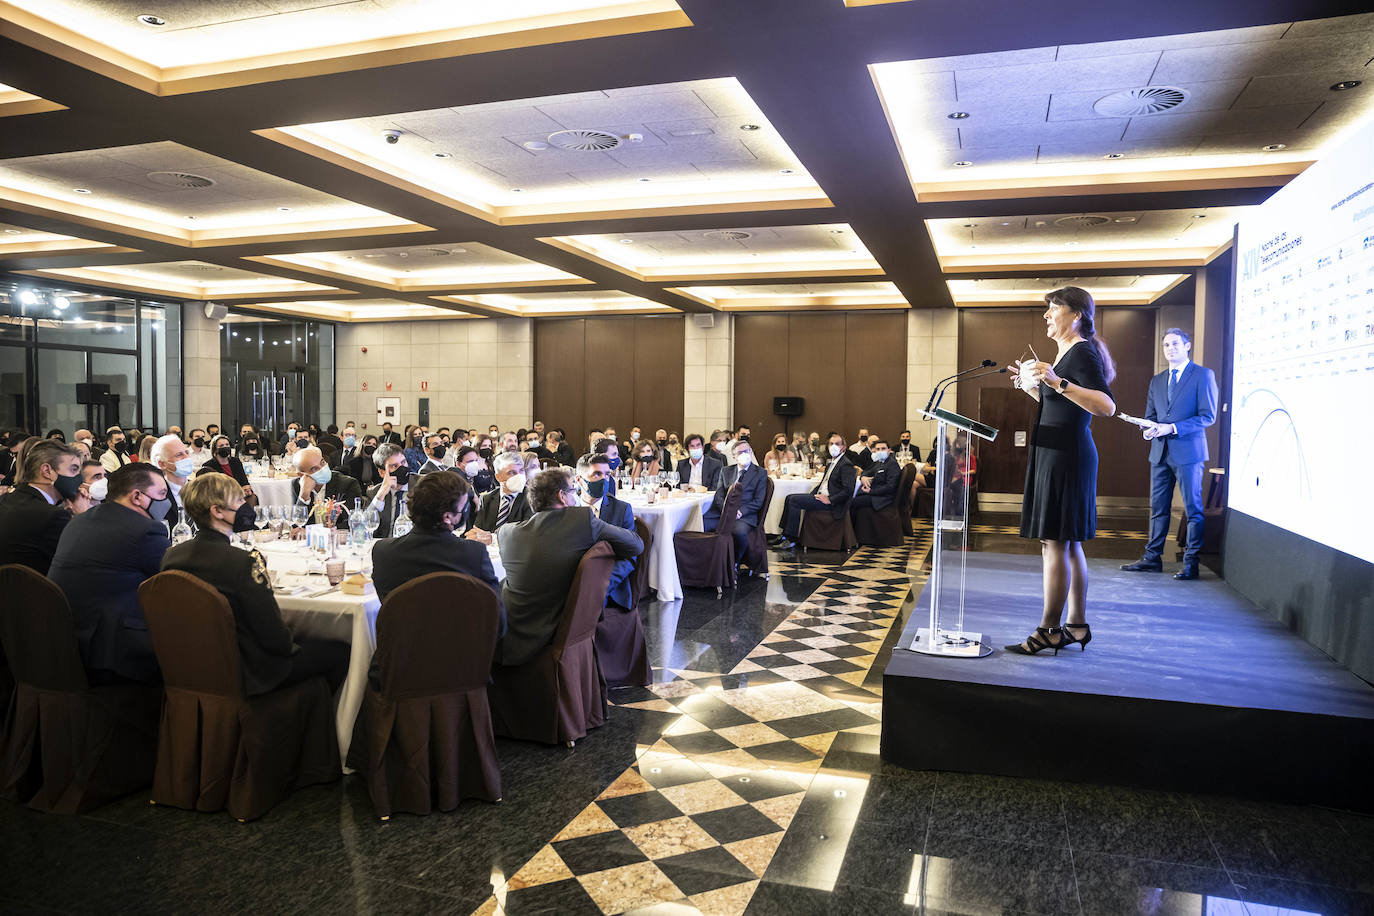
(1039, 641)
(1069, 639)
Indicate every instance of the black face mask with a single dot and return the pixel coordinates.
(662, 443)
(118, 447)
(401, 475)
(69, 485)
(222, 451)
(781, 446)
(439, 451)
(484, 452)
(198, 442)
(906, 441)
(245, 518)
(647, 458)
(369, 449)
(302, 443)
(596, 488)
(251, 445)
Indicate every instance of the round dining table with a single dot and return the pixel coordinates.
(679, 511)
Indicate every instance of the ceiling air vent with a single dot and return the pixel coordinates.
(1081, 222)
(184, 180)
(727, 235)
(585, 141)
(1143, 100)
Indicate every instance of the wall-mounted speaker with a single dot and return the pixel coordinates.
(704, 319)
(789, 407)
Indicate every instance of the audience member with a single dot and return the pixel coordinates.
(505, 504)
(102, 558)
(389, 436)
(474, 469)
(781, 454)
(347, 451)
(33, 515)
(200, 447)
(611, 449)
(360, 466)
(753, 484)
(116, 453)
(386, 495)
(434, 451)
(540, 556)
(170, 455)
(558, 445)
(145, 446)
(318, 480)
(594, 476)
(94, 485)
(223, 461)
(250, 444)
(698, 471)
(878, 484)
(832, 494)
(268, 657)
(645, 461)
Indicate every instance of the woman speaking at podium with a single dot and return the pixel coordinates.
(1060, 504)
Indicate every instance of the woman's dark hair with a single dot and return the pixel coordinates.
(1080, 302)
(436, 494)
(56, 434)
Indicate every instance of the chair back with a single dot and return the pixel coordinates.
(904, 489)
(639, 579)
(437, 634)
(586, 596)
(733, 497)
(36, 631)
(193, 634)
(767, 501)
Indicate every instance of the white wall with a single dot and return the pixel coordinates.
(932, 351)
(478, 372)
(200, 337)
(708, 375)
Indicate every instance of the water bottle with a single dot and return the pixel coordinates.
(402, 525)
(182, 532)
(357, 526)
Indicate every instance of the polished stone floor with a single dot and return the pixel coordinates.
(746, 779)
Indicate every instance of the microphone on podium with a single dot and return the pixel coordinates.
(1000, 371)
(933, 399)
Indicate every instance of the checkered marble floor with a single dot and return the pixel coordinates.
(696, 820)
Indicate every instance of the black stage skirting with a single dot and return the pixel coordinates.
(1186, 687)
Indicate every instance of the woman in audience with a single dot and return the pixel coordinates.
(780, 454)
(145, 448)
(474, 470)
(675, 448)
(645, 460)
(222, 461)
(57, 434)
(533, 464)
(415, 448)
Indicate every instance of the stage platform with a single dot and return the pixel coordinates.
(1186, 686)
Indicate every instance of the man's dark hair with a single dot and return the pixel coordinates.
(548, 486)
(743, 427)
(331, 429)
(592, 458)
(88, 463)
(604, 445)
(465, 451)
(879, 441)
(46, 451)
(687, 443)
(1180, 332)
(130, 477)
(596, 429)
(435, 494)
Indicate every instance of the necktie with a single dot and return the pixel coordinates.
(504, 511)
(1173, 380)
(596, 508)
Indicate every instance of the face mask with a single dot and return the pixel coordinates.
(438, 451)
(634, 437)
(158, 508)
(532, 444)
(323, 475)
(302, 442)
(290, 434)
(245, 517)
(880, 456)
(184, 467)
(118, 446)
(473, 468)
(251, 445)
(719, 446)
(68, 486)
(401, 475)
(835, 451)
(222, 452)
(98, 489)
(781, 446)
(906, 441)
(662, 443)
(647, 458)
(198, 442)
(369, 449)
(744, 459)
(596, 488)
(615, 463)
(515, 483)
(350, 441)
(484, 452)
(695, 453)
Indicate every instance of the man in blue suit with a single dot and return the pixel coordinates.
(1181, 404)
(595, 473)
(753, 482)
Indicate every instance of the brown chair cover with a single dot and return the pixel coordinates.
(883, 527)
(706, 559)
(559, 695)
(756, 554)
(424, 739)
(639, 579)
(908, 484)
(824, 531)
(66, 747)
(219, 748)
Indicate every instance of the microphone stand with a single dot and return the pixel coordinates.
(930, 402)
(948, 382)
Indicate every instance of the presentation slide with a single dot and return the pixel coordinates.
(1302, 433)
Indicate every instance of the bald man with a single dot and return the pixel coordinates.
(319, 480)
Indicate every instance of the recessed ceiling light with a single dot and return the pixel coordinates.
(786, 171)
(1199, 216)
(535, 145)
(962, 164)
(1125, 219)
(247, 340)
(1274, 147)
(82, 190)
(1114, 156)
(971, 225)
(1345, 84)
(1006, 224)
(150, 19)
(748, 127)
(283, 209)
(443, 155)
(350, 257)
(957, 115)
(14, 232)
(644, 180)
(517, 190)
(627, 241)
(234, 333)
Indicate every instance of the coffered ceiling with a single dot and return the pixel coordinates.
(583, 157)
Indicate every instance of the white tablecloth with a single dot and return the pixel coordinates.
(680, 512)
(271, 491)
(334, 615)
(782, 488)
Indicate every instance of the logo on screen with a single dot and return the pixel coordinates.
(1251, 261)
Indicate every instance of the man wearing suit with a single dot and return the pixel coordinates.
(171, 456)
(268, 656)
(33, 515)
(434, 454)
(661, 452)
(390, 436)
(385, 496)
(507, 503)
(753, 481)
(1181, 404)
(594, 475)
(318, 480)
(541, 556)
(699, 469)
(116, 453)
(104, 555)
(878, 485)
(831, 495)
(342, 458)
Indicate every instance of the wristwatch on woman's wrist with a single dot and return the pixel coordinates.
(1063, 385)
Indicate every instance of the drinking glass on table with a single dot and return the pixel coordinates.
(674, 478)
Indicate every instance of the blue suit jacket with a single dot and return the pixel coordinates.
(1193, 409)
(615, 512)
(753, 487)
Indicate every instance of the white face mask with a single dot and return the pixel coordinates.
(98, 489)
(634, 437)
(880, 456)
(744, 459)
(515, 483)
(474, 467)
(835, 451)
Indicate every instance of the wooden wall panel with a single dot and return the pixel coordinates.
(657, 383)
(559, 366)
(849, 366)
(1130, 335)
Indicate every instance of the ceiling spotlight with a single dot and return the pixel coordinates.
(14, 232)
(1345, 84)
(643, 180)
(28, 297)
(627, 241)
(535, 145)
(748, 127)
(971, 225)
(234, 333)
(60, 303)
(150, 19)
(1199, 216)
(957, 115)
(274, 343)
(82, 190)
(786, 171)
(962, 164)
(1274, 147)
(443, 155)
(392, 136)
(283, 209)
(1006, 224)
(1114, 156)
(1125, 219)
(247, 340)
(517, 190)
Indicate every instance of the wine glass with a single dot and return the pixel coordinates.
(673, 479)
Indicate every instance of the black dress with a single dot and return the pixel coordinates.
(1060, 501)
